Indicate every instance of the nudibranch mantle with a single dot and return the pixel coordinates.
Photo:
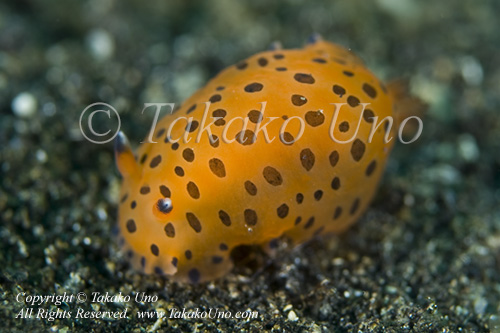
(185, 205)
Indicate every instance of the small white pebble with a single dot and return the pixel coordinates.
(101, 44)
(338, 261)
(472, 71)
(288, 307)
(443, 173)
(87, 241)
(480, 305)
(23, 250)
(391, 290)
(467, 147)
(38, 230)
(292, 316)
(101, 213)
(24, 105)
(41, 156)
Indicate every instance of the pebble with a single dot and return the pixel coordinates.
(444, 174)
(41, 156)
(292, 316)
(101, 44)
(480, 305)
(24, 105)
(338, 261)
(467, 147)
(472, 71)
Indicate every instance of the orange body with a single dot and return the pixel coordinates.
(252, 192)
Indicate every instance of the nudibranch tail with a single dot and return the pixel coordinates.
(125, 160)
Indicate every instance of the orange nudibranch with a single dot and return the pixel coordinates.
(185, 205)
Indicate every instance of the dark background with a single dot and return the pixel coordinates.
(426, 255)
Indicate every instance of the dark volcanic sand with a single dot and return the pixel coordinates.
(426, 255)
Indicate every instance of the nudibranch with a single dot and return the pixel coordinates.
(213, 179)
